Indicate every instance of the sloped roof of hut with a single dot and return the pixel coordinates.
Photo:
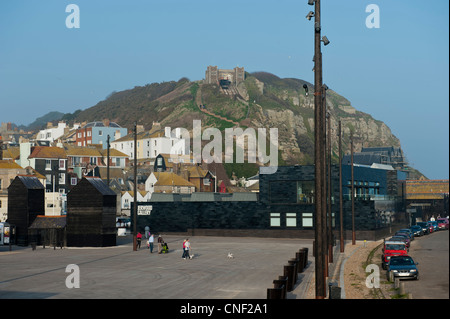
(49, 222)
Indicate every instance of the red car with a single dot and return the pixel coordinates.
(442, 223)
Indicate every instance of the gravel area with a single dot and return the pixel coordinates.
(355, 259)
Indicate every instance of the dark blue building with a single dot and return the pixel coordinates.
(284, 206)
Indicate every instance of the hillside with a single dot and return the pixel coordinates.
(263, 101)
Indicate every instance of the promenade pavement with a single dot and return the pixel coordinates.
(120, 273)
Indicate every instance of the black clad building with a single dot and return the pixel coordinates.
(284, 207)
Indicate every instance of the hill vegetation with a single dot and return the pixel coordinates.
(263, 101)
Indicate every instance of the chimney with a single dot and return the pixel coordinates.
(167, 131)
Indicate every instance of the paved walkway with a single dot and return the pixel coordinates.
(120, 272)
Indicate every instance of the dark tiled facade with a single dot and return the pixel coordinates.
(284, 207)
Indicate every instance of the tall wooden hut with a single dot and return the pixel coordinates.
(26, 200)
(91, 214)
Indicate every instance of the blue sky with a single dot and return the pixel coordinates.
(398, 73)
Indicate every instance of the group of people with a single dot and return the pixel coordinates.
(150, 242)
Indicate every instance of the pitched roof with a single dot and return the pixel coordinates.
(140, 136)
(6, 164)
(48, 152)
(30, 182)
(11, 152)
(82, 151)
(171, 179)
(100, 185)
(113, 153)
(48, 222)
(196, 171)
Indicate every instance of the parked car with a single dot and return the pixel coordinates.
(425, 227)
(442, 223)
(392, 248)
(435, 225)
(417, 230)
(123, 222)
(401, 233)
(408, 231)
(403, 238)
(402, 267)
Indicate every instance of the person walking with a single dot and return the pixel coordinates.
(184, 250)
(150, 243)
(160, 242)
(139, 239)
(187, 247)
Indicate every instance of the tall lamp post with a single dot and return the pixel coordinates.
(341, 208)
(135, 190)
(319, 161)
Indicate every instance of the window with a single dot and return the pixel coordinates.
(275, 220)
(100, 133)
(291, 220)
(76, 160)
(48, 165)
(62, 178)
(0, 184)
(73, 181)
(305, 192)
(93, 160)
(62, 164)
(307, 220)
(48, 179)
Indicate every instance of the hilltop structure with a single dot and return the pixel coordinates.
(214, 75)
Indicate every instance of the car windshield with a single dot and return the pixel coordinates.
(422, 224)
(442, 221)
(395, 247)
(402, 261)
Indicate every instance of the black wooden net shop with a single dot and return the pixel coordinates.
(91, 214)
(26, 200)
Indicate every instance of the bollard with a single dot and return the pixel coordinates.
(282, 285)
(301, 262)
(294, 263)
(334, 291)
(305, 250)
(289, 272)
(274, 293)
(402, 288)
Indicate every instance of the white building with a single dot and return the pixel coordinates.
(149, 145)
(52, 133)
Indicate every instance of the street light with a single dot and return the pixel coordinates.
(319, 168)
(325, 40)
